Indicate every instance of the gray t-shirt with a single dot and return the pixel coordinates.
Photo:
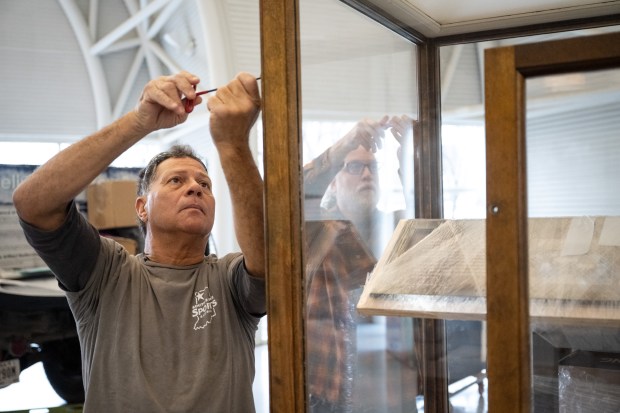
(156, 338)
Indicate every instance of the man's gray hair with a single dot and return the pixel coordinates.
(146, 176)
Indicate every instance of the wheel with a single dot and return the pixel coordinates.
(63, 368)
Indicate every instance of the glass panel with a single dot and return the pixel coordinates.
(464, 197)
(574, 240)
(464, 182)
(358, 88)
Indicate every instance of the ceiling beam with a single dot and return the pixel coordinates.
(163, 18)
(152, 64)
(101, 96)
(130, 80)
(164, 57)
(127, 26)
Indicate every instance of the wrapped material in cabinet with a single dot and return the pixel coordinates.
(437, 269)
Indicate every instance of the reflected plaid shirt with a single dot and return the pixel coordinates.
(338, 262)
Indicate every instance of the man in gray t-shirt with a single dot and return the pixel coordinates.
(168, 330)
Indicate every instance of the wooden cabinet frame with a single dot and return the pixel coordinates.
(509, 387)
(283, 196)
(506, 69)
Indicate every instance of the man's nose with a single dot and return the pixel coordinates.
(366, 172)
(195, 188)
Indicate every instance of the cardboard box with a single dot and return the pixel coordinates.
(131, 245)
(111, 204)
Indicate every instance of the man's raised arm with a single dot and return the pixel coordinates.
(234, 109)
(42, 199)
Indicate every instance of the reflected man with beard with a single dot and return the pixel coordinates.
(345, 235)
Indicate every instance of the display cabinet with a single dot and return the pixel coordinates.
(403, 359)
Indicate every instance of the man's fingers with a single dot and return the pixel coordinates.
(166, 97)
(375, 133)
(186, 83)
(249, 84)
(243, 84)
(168, 91)
(401, 127)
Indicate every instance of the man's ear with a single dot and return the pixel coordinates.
(332, 184)
(141, 208)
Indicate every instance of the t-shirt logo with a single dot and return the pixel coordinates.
(203, 309)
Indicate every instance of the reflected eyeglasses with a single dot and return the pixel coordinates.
(357, 167)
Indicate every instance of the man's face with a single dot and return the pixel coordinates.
(356, 184)
(179, 199)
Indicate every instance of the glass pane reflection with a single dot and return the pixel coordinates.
(574, 208)
(571, 147)
(359, 111)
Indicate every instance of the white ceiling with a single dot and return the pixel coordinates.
(434, 18)
(82, 63)
(71, 66)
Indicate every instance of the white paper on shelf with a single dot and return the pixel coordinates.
(437, 269)
(610, 234)
(578, 237)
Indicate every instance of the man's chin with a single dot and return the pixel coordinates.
(367, 203)
(368, 195)
(198, 229)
